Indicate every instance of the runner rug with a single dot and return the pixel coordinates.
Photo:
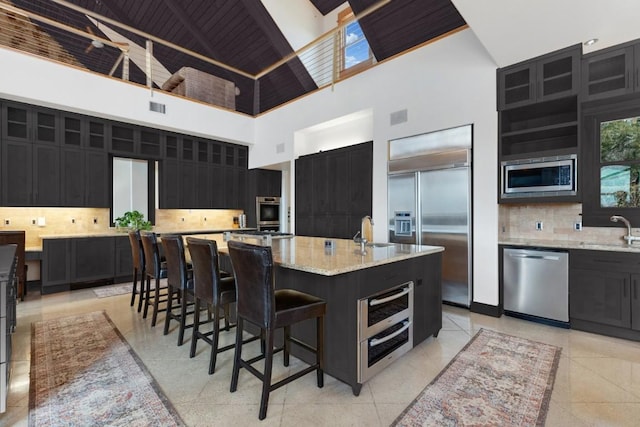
(496, 380)
(109, 291)
(83, 373)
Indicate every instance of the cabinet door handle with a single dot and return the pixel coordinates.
(624, 288)
(635, 289)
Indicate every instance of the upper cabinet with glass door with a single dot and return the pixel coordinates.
(611, 72)
(545, 78)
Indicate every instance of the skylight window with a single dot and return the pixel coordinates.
(356, 47)
(356, 54)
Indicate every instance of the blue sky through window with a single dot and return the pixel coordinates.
(356, 46)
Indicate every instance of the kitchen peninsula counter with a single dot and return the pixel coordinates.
(343, 276)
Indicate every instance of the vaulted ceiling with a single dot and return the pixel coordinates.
(243, 35)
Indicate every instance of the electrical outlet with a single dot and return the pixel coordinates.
(33, 222)
(577, 226)
(539, 225)
(73, 220)
(7, 222)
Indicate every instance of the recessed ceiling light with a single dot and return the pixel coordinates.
(590, 42)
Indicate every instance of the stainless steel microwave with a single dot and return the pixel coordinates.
(549, 176)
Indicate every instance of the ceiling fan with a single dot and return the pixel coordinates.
(95, 43)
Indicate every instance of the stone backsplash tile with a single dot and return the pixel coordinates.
(519, 222)
(77, 221)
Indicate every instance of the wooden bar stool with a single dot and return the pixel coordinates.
(179, 282)
(137, 254)
(155, 269)
(270, 309)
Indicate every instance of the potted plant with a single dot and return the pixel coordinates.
(133, 220)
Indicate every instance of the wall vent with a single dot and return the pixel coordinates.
(280, 148)
(398, 117)
(157, 107)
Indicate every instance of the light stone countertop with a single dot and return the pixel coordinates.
(568, 244)
(309, 254)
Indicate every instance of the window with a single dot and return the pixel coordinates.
(620, 162)
(355, 52)
(611, 166)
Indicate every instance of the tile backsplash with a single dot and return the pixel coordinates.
(73, 221)
(558, 222)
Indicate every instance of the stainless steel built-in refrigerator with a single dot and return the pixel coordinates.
(430, 204)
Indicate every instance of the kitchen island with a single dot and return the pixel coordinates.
(343, 276)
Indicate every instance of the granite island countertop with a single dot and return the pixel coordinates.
(621, 246)
(309, 254)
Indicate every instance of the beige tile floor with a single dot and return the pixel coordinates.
(598, 381)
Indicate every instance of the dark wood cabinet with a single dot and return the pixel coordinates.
(601, 297)
(57, 158)
(92, 259)
(85, 178)
(123, 267)
(539, 112)
(334, 191)
(552, 76)
(69, 262)
(17, 179)
(30, 174)
(55, 268)
(124, 139)
(611, 72)
(604, 292)
(96, 175)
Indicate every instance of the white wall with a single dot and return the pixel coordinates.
(34, 80)
(444, 84)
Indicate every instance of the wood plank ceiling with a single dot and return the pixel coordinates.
(242, 34)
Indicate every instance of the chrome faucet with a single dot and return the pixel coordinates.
(629, 238)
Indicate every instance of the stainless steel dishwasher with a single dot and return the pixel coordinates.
(536, 283)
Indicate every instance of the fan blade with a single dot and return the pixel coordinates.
(89, 48)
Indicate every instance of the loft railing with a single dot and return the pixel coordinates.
(123, 50)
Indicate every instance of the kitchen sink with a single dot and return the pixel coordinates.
(379, 245)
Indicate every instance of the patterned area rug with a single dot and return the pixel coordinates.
(496, 380)
(109, 291)
(83, 373)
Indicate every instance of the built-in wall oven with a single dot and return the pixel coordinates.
(385, 329)
(268, 213)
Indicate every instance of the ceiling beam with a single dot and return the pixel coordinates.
(262, 18)
(153, 38)
(195, 31)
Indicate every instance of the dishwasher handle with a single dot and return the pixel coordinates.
(547, 257)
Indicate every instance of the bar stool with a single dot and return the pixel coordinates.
(137, 255)
(212, 290)
(155, 269)
(180, 282)
(270, 309)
